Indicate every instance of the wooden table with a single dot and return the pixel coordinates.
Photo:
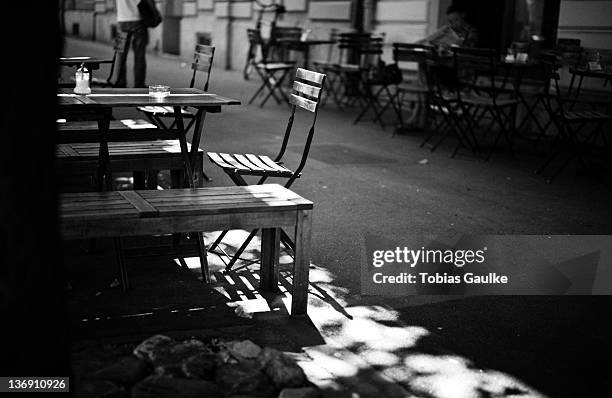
(100, 103)
(133, 213)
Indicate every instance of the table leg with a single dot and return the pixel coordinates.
(270, 249)
(301, 264)
(104, 172)
(197, 137)
(183, 143)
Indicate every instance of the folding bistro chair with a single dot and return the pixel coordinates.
(329, 62)
(306, 95)
(480, 96)
(375, 78)
(202, 62)
(201, 66)
(278, 49)
(570, 115)
(119, 44)
(413, 90)
(445, 116)
(338, 82)
(268, 71)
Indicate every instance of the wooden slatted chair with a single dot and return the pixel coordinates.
(348, 64)
(413, 89)
(479, 94)
(307, 89)
(279, 51)
(445, 115)
(329, 62)
(202, 62)
(571, 116)
(272, 73)
(373, 79)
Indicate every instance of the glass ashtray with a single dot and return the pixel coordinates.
(159, 91)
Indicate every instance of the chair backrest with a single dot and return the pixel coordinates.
(475, 64)
(285, 32)
(550, 65)
(333, 36)
(202, 62)
(306, 95)
(256, 42)
(280, 51)
(350, 45)
(372, 50)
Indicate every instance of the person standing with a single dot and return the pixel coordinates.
(131, 24)
(458, 21)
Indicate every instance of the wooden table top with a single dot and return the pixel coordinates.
(133, 97)
(177, 202)
(77, 61)
(307, 42)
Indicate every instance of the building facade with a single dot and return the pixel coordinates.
(223, 23)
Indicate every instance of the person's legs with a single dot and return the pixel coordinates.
(140, 41)
(121, 60)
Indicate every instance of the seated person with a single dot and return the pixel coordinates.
(458, 31)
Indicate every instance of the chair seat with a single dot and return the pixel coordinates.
(249, 164)
(590, 115)
(275, 65)
(163, 110)
(479, 100)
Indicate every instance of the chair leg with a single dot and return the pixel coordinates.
(263, 85)
(203, 258)
(218, 240)
(177, 180)
(277, 87)
(152, 179)
(241, 250)
(139, 179)
(270, 248)
(123, 275)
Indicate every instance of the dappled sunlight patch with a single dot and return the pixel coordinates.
(190, 262)
(339, 367)
(423, 363)
(379, 358)
(382, 342)
(246, 308)
(378, 336)
(455, 377)
(375, 312)
(320, 275)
